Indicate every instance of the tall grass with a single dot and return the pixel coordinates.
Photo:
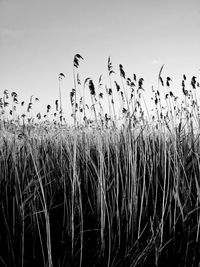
(114, 191)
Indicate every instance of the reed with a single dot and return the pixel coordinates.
(127, 195)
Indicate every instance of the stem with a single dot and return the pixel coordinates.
(74, 98)
(61, 113)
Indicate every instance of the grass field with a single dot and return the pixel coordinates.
(115, 189)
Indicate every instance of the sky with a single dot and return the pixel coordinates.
(38, 40)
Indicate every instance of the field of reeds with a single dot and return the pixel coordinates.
(119, 187)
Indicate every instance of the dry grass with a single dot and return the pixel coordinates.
(120, 190)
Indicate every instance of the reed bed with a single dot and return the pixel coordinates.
(115, 190)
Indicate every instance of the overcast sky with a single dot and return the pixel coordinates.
(39, 38)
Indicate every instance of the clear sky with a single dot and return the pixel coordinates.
(39, 38)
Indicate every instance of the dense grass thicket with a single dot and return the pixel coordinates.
(100, 192)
